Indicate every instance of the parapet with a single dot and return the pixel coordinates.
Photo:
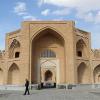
(81, 32)
(2, 54)
(96, 53)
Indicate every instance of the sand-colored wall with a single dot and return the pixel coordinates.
(59, 36)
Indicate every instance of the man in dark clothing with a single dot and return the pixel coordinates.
(27, 87)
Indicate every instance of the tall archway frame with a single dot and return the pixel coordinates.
(83, 45)
(65, 29)
(56, 33)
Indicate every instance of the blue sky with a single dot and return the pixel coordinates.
(86, 14)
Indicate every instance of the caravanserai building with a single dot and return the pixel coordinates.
(49, 51)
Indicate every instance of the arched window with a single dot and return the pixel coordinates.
(17, 54)
(48, 54)
(15, 43)
(79, 53)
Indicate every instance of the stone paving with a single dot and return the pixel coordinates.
(52, 94)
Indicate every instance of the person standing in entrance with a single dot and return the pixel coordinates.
(27, 87)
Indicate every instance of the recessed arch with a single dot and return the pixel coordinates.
(15, 43)
(13, 48)
(2, 76)
(48, 75)
(46, 39)
(81, 48)
(96, 74)
(14, 74)
(82, 73)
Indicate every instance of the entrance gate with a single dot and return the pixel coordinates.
(48, 77)
(48, 73)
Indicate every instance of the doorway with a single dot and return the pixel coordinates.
(48, 76)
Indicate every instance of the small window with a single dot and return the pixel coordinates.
(17, 54)
(79, 54)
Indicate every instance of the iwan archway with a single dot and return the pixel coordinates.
(47, 53)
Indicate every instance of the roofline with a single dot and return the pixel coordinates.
(83, 30)
(16, 31)
(49, 21)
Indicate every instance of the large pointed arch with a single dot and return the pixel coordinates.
(14, 74)
(48, 28)
(82, 74)
(46, 38)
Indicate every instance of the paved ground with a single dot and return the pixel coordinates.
(52, 94)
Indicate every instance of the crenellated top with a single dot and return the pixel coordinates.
(14, 32)
(96, 53)
(2, 54)
(80, 32)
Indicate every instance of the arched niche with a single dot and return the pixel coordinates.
(96, 74)
(14, 48)
(81, 48)
(14, 75)
(48, 75)
(2, 76)
(82, 74)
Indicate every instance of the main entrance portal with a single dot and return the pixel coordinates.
(48, 74)
(48, 58)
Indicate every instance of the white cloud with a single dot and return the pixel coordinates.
(29, 17)
(20, 8)
(40, 2)
(84, 8)
(88, 17)
(45, 12)
(85, 5)
(61, 12)
(97, 18)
